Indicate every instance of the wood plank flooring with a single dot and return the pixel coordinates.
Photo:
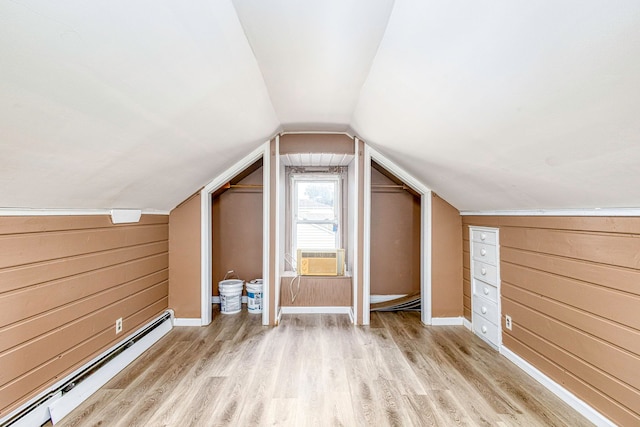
(319, 370)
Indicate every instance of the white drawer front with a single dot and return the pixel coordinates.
(487, 309)
(485, 272)
(484, 236)
(486, 290)
(485, 329)
(484, 253)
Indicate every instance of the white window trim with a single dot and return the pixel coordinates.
(340, 180)
(336, 179)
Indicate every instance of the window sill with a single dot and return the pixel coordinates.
(294, 274)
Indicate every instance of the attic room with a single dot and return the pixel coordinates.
(470, 168)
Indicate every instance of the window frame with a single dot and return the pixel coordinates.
(335, 175)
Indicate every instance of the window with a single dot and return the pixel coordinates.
(315, 211)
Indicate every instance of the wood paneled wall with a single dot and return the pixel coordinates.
(572, 288)
(64, 280)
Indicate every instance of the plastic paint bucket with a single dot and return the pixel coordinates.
(230, 296)
(254, 296)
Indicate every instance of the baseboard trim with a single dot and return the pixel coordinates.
(446, 321)
(569, 398)
(315, 310)
(187, 322)
(467, 324)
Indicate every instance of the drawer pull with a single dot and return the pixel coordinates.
(483, 252)
(486, 290)
(484, 329)
(483, 310)
(483, 236)
(483, 271)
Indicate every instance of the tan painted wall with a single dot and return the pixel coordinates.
(446, 259)
(184, 259)
(395, 238)
(571, 285)
(316, 143)
(64, 280)
(237, 231)
(316, 291)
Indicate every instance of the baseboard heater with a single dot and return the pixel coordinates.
(67, 394)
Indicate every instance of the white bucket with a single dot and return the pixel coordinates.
(254, 296)
(230, 296)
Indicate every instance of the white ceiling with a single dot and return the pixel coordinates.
(494, 105)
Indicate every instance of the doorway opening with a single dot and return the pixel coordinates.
(237, 229)
(395, 267)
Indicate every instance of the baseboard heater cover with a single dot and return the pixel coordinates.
(70, 392)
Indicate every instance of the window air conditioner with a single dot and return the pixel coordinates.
(326, 262)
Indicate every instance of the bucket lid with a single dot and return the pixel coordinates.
(230, 282)
(256, 282)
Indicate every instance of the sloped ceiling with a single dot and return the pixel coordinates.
(494, 105)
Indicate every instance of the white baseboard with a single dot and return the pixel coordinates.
(569, 398)
(467, 324)
(216, 300)
(187, 322)
(315, 310)
(446, 321)
(375, 299)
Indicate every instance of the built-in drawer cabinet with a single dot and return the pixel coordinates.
(484, 236)
(487, 331)
(485, 284)
(484, 252)
(485, 272)
(486, 309)
(485, 290)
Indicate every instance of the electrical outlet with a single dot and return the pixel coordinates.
(119, 325)
(507, 322)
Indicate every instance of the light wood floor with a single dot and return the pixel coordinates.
(320, 370)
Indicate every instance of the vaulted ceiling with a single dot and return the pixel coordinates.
(494, 105)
